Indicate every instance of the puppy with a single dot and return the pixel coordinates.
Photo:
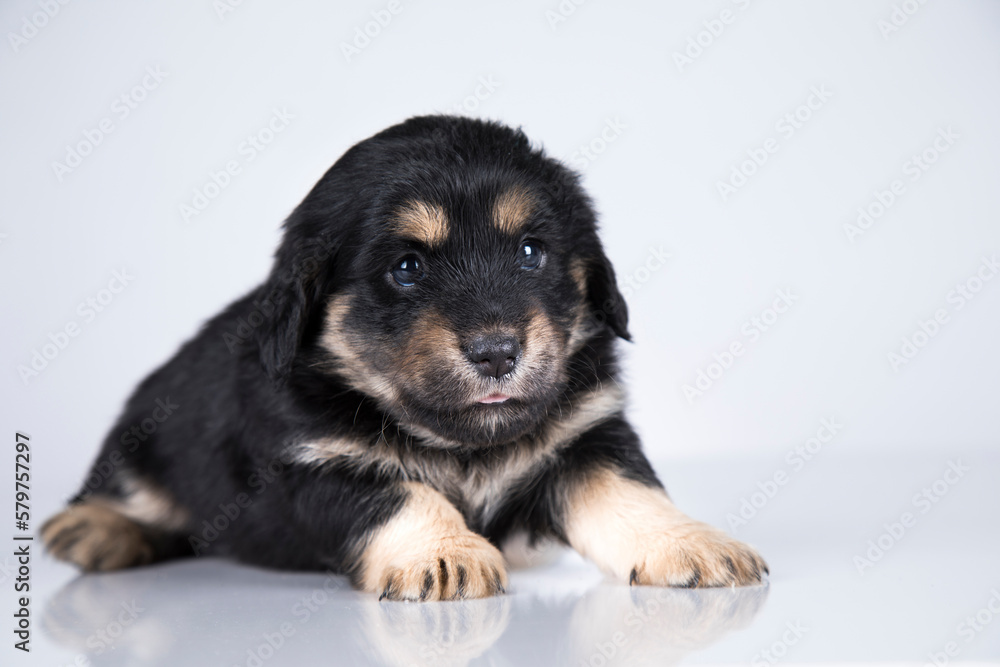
(428, 371)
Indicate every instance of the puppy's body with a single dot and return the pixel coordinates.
(428, 370)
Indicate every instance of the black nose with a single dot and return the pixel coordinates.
(494, 355)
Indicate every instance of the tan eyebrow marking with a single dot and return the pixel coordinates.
(512, 209)
(423, 222)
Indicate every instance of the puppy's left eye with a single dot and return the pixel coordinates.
(408, 271)
(530, 255)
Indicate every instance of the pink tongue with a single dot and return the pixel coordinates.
(494, 398)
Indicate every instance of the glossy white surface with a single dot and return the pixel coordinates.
(908, 604)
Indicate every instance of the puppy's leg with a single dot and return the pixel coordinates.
(95, 537)
(633, 530)
(426, 552)
(111, 532)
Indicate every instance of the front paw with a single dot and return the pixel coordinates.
(458, 567)
(633, 530)
(426, 552)
(697, 556)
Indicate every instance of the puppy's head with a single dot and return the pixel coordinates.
(455, 272)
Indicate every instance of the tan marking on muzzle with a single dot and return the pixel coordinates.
(348, 352)
(544, 352)
(433, 344)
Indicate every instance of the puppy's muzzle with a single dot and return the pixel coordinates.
(494, 355)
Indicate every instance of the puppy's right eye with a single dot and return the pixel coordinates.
(408, 271)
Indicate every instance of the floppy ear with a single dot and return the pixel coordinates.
(294, 290)
(606, 302)
(305, 264)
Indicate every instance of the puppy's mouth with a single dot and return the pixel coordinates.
(482, 419)
(493, 399)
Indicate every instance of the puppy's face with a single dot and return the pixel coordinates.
(463, 285)
(461, 313)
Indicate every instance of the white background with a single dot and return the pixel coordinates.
(656, 185)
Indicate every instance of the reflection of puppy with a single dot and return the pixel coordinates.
(443, 635)
(656, 626)
(428, 369)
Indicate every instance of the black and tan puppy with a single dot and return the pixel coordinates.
(428, 370)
